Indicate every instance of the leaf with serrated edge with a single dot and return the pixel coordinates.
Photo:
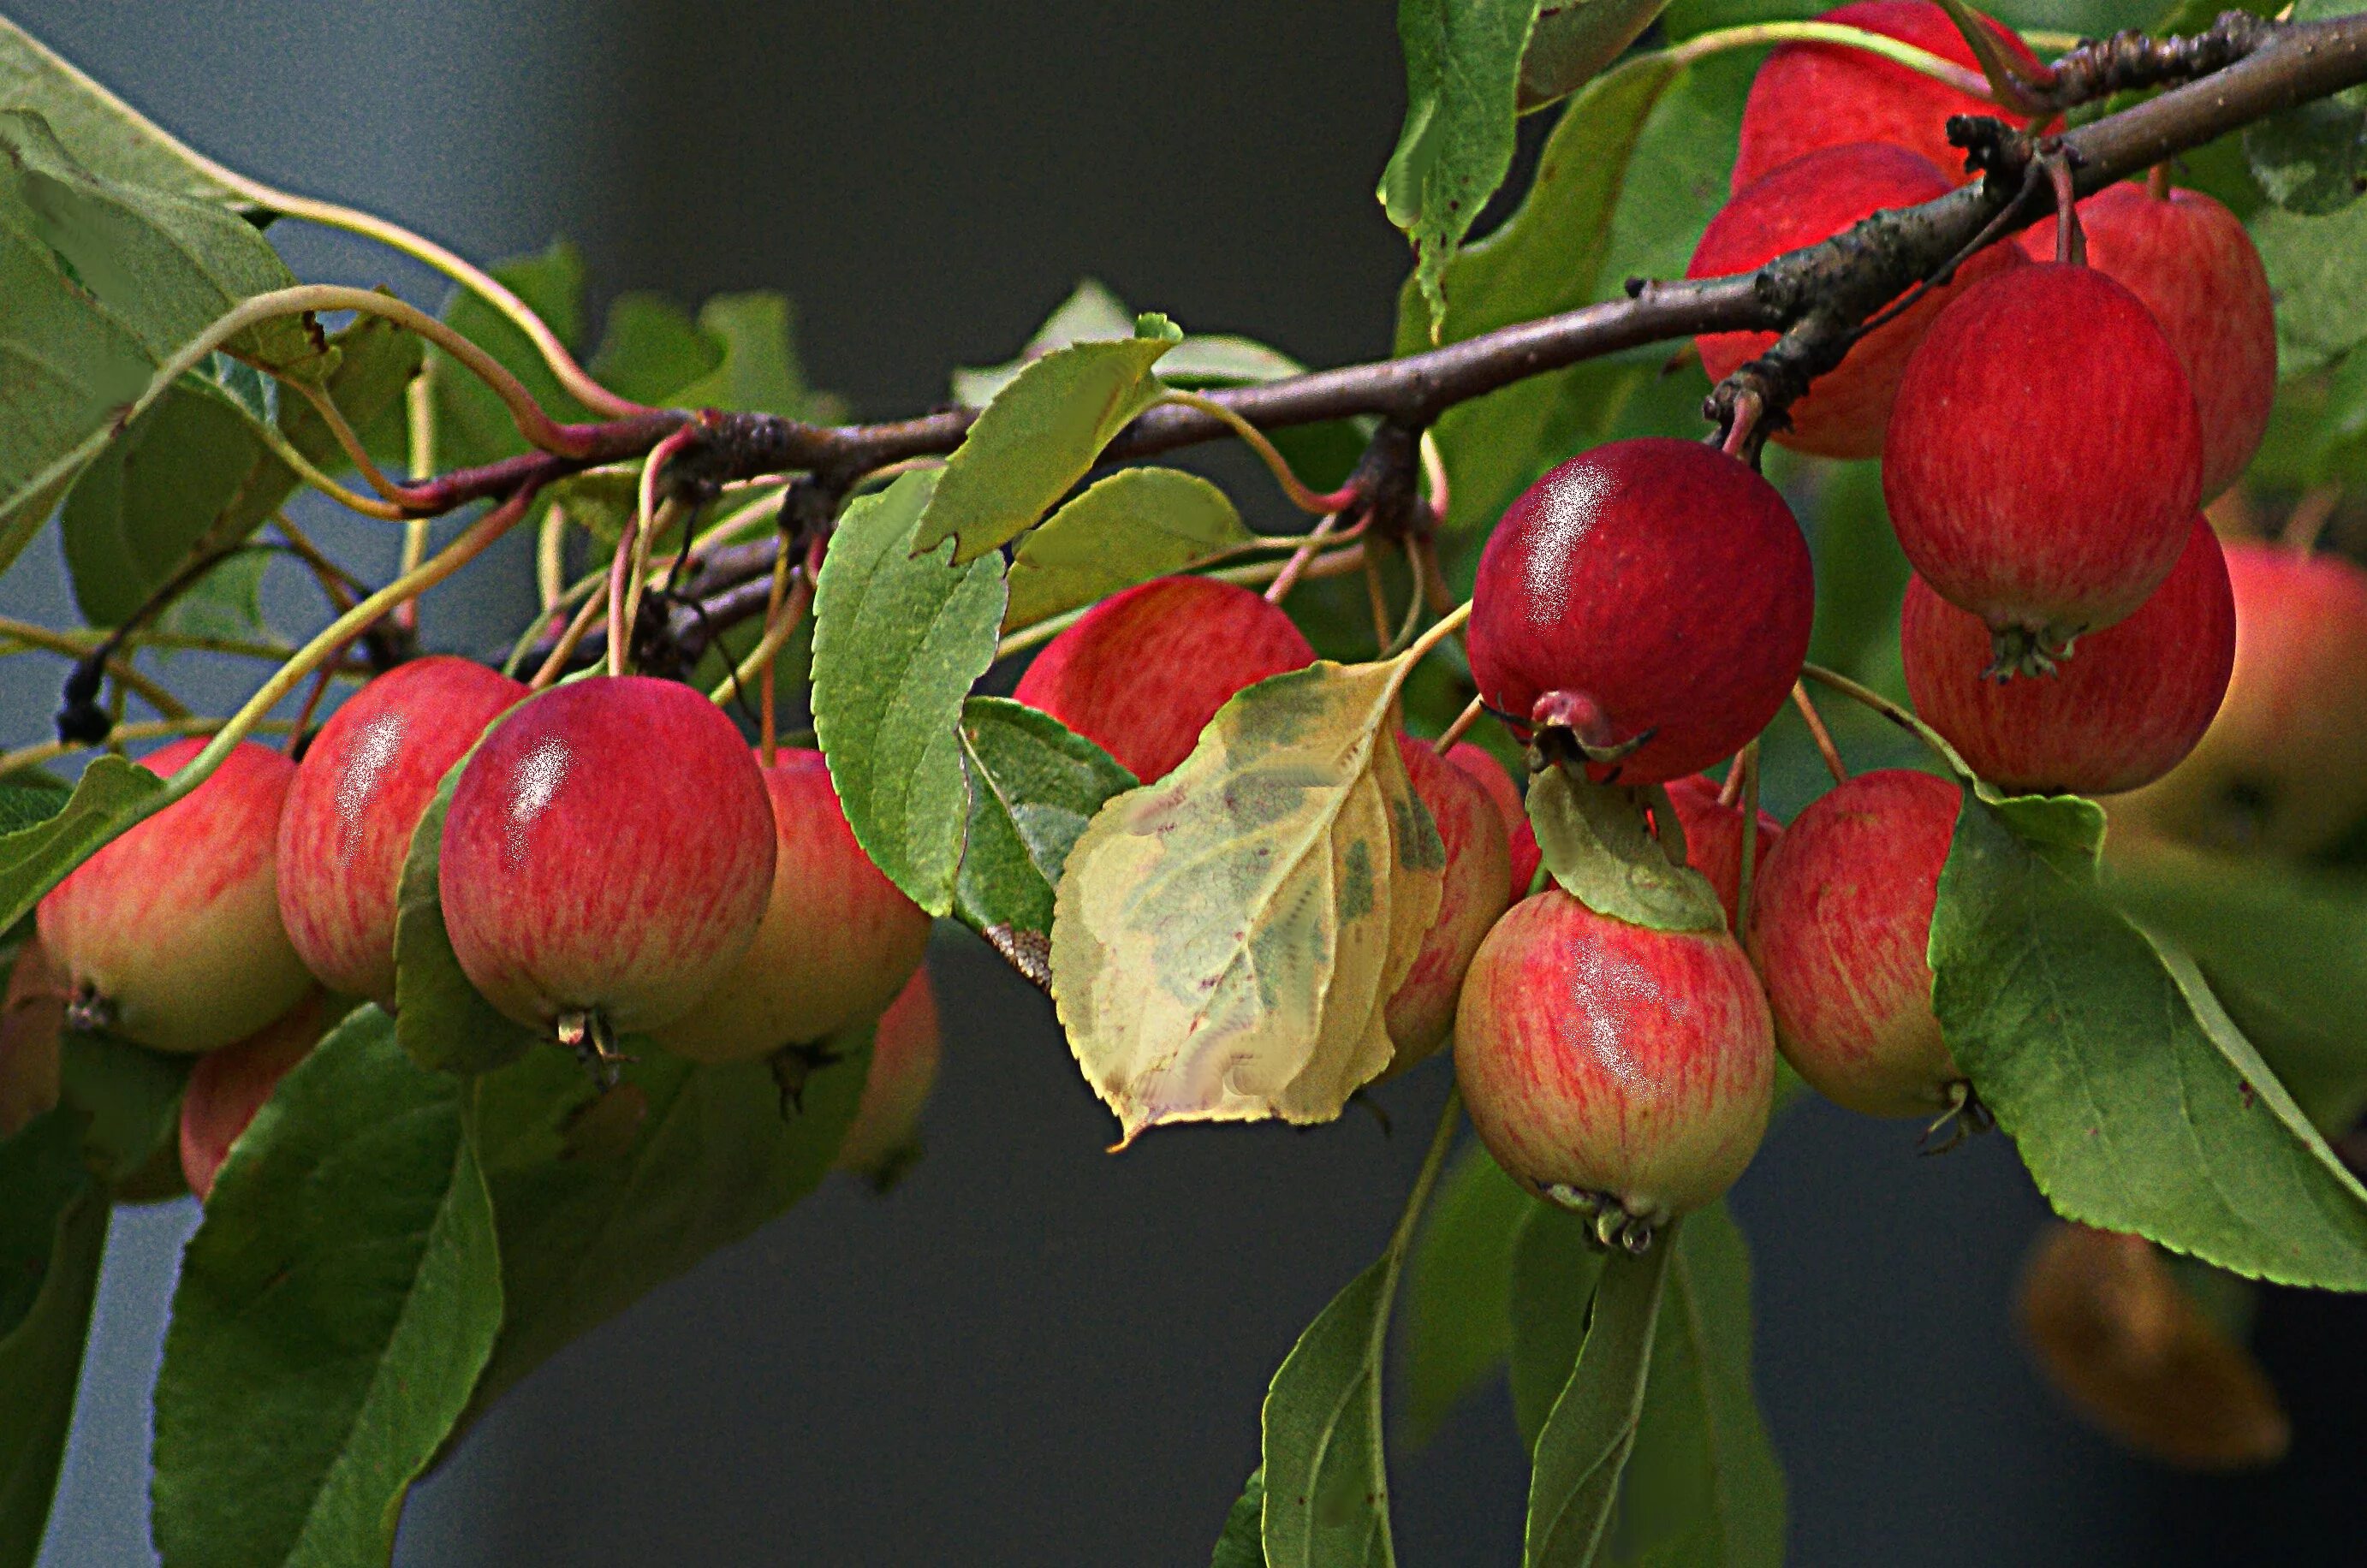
(1225, 939)
(108, 797)
(332, 1312)
(1584, 1448)
(444, 1021)
(1134, 525)
(1458, 1324)
(1597, 847)
(2135, 1103)
(52, 1232)
(1034, 785)
(1037, 437)
(898, 639)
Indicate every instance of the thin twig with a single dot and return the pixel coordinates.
(1818, 733)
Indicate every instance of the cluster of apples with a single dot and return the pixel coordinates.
(2047, 430)
(613, 860)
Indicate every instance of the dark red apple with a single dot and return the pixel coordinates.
(230, 1085)
(2191, 261)
(1526, 858)
(1421, 1014)
(34, 1017)
(1651, 597)
(1798, 204)
(2123, 714)
(1809, 96)
(2044, 459)
(1612, 1067)
(607, 856)
(883, 1135)
(1481, 764)
(170, 935)
(1840, 926)
(365, 783)
(837, 943)
(1143, 673)
(2284, 766)
(1714, 838)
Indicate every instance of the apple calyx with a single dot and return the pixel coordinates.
(2027, 650)
(587, 1033)
(1575, 722)
(1611, 1224)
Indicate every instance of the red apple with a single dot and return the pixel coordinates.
(1714, 838)
(170, 935)
(1841, 925)
(883, 1138)
(1798, 204)
(2284, 766)
(1651, 598)
(34, 1016)
(1421, 1014)
(837, 943)
(606, 856)
(1143, 673)
(2190, 260)
(1612, 1067)
(1809, 96)
(365, 783)
(2121, 714)
(230, 1085)
(1481, 764)
(2043, 460)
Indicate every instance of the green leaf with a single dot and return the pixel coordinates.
(2135, 1101)
(112, 794)
(52, 1233)
(1463, 72)
(1239, 1546)
(1556, 1265)
(1458, 1324)
(471, 424)
(1034, 784)
(334, 1310)
(1225, 939)
(1134, 525)
(1327, 1483)
(226, 602)
(444, 1023)
(760, 370)
(1584, 1446)
(130, 1100)
(1090, 314)
(1703, 1483)
(101, 131)
(28, 800)
(651, 347)
(1037, 439)
(2318, 271)
(599, 1199)
(1574, 40)
(1545, 258)
(1599, 848)
(898, 639)
(2311, 157)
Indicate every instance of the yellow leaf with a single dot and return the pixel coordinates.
(1225, 939)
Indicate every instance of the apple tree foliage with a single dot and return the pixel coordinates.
(431, 1205)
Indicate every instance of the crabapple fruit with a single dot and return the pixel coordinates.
(837, 943)
(365, 782)
(1143, 673)
(1421, 1014)
(1841, 927)
(1798, 204)
(1610, 1068)
(2284, 766)
(170, 935)
(1714, 838)
(1481, 764)
(229, 1086)
(1527, 856)
(881, 1139)
(2044, 459)
(1809, 96)
(2135, 702)
(606, 856)
(1651, 597)
(2197, 270)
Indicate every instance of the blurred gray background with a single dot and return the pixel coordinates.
(1032, 1352)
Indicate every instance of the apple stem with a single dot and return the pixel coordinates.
(2070, 239)
(1306, 499)
(419, 418)
(1434, 473)
(2309, 517)
(1747, 765)
(295, 743)
(1820, 733)
(2158, 181)
(1297, 566)
(1376, 599)
(632, 561)
(1461, 727)
(568, 640)
(1898, 716)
